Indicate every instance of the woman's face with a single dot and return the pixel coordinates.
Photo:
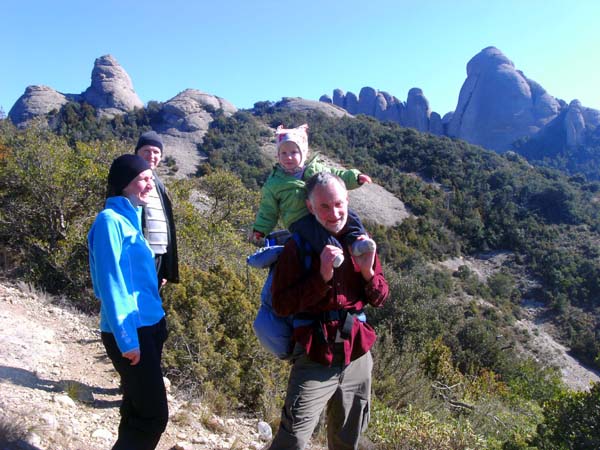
(138, 189)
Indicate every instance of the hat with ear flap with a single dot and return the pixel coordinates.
(298, 136)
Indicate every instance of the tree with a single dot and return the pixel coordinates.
(571, 421)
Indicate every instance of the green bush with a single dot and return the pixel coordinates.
(413, 429)
(571, 421)
(50, 193)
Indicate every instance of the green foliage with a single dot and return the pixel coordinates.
(502, 285)
(441, 352)
(79, 122)
(571, 421)
(418, 430)
(234, 144)
(212, 349)
(212, 344)
(50, 193)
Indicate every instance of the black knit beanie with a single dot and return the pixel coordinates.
(122, 171)
(149, 138)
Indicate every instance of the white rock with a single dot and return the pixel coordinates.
(33, 439)
(49, 421)
(183, 446)
(64, 400)
(102, 433)
(167, 384)
(199, 440)
(264, 431)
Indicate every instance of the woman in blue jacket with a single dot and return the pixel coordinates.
(132, 318)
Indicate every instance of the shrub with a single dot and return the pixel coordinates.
(571, 421)
(50, 193)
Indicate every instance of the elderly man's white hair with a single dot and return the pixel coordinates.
(322, 179)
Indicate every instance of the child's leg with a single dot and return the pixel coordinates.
(353, 229)
(313, 232)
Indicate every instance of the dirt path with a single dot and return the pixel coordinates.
(59, 391)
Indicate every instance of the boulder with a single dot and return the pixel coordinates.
(300, 104)
(591, 117)
(326, 99)
(366, 101)
(386, 107)
(339, 98)
(574, 125)
(191, 111)
(184, 122)
(381, 107)
(36, 101)
(417, 111)
(436, 125)
(395, 108)
(111, 91)
(498, 104)
(351, 103)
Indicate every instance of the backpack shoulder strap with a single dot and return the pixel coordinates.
(304, 249)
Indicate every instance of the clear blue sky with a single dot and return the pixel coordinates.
(250, 50)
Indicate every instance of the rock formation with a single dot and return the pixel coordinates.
(574, 125)
(300, 104)
(185, 121)
(36, 101)
(111, 91)
(185, 117)
(415, 113)
(498, 105)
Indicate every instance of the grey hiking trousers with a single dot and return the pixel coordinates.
(346, 391)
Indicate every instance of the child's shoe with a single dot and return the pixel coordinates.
(361, 247)
(337, 262)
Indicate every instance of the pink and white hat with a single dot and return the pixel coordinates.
(298, 136)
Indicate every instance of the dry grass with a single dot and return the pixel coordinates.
(13, 432)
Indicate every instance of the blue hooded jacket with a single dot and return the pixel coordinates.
(123, 273)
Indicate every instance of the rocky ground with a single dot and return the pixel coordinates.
(59, 391)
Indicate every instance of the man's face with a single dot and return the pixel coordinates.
(329, 204)
(152, 155)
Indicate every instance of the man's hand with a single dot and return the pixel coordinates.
(365, 261)
(327, 256)
(133, 356)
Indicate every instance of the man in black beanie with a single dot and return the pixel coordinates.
(157, 218)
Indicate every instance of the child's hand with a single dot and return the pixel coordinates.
(364, 179)
(256, 237)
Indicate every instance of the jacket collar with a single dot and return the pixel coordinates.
(123, 206)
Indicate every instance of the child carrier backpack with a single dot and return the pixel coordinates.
(275, 332)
